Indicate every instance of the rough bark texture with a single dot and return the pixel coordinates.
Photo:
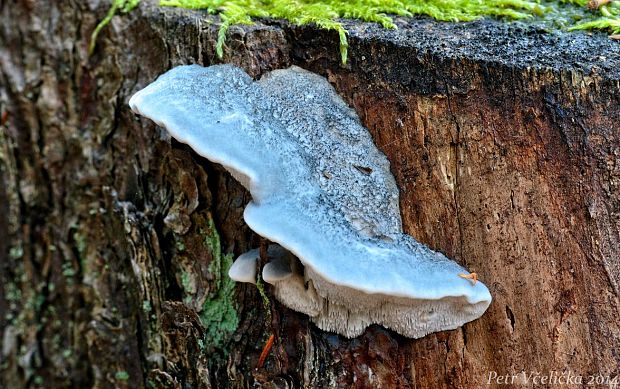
(504, 140)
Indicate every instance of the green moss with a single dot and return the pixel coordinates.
(571, 14)
(218, 315)
(610, 20)
(324, 13)
(123, 6)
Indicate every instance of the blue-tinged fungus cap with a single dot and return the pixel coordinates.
(320, 189)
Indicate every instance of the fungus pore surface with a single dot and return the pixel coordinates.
(322, 191)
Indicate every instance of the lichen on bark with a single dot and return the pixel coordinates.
(219, 315)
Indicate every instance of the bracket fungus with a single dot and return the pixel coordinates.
(322, 191)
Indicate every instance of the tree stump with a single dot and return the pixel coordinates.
(114, 239)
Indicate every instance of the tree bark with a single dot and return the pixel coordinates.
(114, 239)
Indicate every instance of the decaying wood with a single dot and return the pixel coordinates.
(505, 143)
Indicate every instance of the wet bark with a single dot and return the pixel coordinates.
(114, 239)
